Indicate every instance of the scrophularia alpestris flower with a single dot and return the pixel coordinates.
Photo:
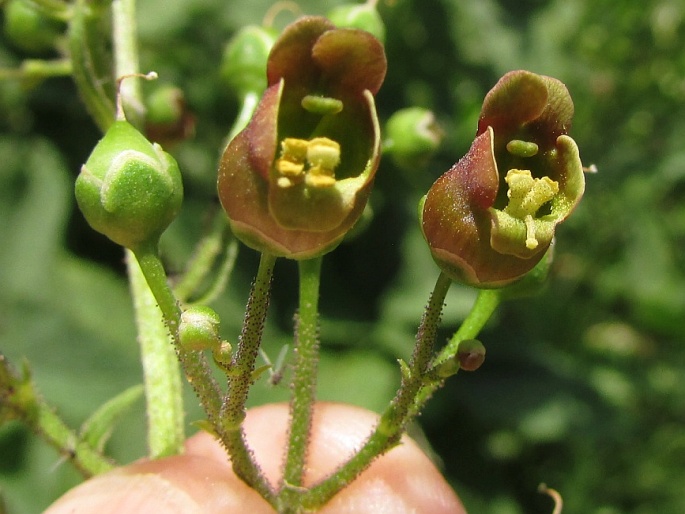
(491, 217)
(298, 177)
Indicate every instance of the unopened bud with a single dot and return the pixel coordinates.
(199, 329)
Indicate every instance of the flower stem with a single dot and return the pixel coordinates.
(486, 302)
(240, 378)
(306, 360)
(194, 363)
(247, 108)
(35, 70)
(393, 421)
(163, 390)
(219, 240)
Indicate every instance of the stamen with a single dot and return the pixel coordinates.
(531, 241)
(312, 161)
(527, 194)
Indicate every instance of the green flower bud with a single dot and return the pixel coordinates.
(169, 121)
(359, 16)
(29, 29)
(243, 66)
(223, 356)
(129, 189)
(199, 329)
(412, 136)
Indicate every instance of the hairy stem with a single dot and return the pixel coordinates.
(305, 365)
(241, 376)
(485, 305)
(20, 399)
(393, 421)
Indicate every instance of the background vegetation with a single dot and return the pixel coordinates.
(583, 385)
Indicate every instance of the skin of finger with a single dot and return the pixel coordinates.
(402, 481)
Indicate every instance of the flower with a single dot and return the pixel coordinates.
(298, 177)
(486, 230)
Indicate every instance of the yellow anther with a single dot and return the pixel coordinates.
(319, 178)
(324, 153)
(312, 161)
(288, 168)
(294, 150)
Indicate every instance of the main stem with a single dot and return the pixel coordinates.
(161, 374)
(304, 379)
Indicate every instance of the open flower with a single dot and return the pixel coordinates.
(487, 230)
(297, 178)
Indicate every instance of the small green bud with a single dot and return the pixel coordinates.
(243, 66)
(168, 121)
(412, 136)
(359, 16)
(223, 356)
(29, 29)
(129, 189)
(165, 104)
(470, 354)
(199, 329)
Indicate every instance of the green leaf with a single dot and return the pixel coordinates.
(97, 429)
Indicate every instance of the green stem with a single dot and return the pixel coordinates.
(19, 397)
(241, 377)
(305, 365)
(161, 374)
(393, 421)
(91, 62)
(157, 324)
(249, 104)
(486, 303)
(126, 60)
(194, 363)
(37, 69)
(218, 240)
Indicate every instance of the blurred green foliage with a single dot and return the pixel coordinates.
(582, 388)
